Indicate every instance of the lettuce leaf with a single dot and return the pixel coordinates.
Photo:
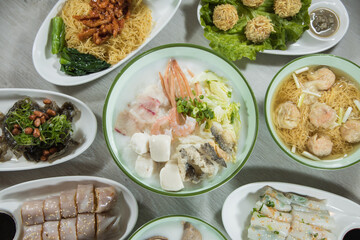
(233, 43)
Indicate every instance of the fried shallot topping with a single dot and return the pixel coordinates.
(105, 19)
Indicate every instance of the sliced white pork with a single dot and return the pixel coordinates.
(67, 229)
(170, 178)
(85, 199)
(140, 143)
(259, 220)
(68, 204)
(106, 198)
(51, 230)
(160, 146)
(259, 233)
(272, 213)
(309, 232)
(52, 209)
(85, 226)
(107, 225)
(144, 166)
(32, 212)
(33, 232)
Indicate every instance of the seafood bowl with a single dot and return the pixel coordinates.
(350, 70)
(144, 70)
(171, 227)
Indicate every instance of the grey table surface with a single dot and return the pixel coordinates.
(19, 23)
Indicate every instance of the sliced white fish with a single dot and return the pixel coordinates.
(309, 232)
(106, 198)
(52, 209)
(160, 146)
(67, 204)
(272, 213)
(127, 124)
(144, 166)
(278, 205)
(140, 143)
(51, 230)
(277, 194)
(107, 225)
(33, 232)
(259, 233)
(157, 93)
(259, 220)
(323, 221)
(67, 229)
(85, 199)
(170, 178)
(32, 212)
(85, 226)
(307, 201)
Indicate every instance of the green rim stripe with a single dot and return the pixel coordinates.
(175, 216)
(268, 123)
(178, 194)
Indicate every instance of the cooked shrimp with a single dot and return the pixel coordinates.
(350, 131)
(181, 130)
(287, 115)
(320, 145)
(322, 115)
(322, 79)
(156, 127)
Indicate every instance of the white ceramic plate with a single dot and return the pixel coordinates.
(310, 43)
(172, 228)
(143, 71)
(48, 66)
(13, 197)
(237, 208)
(84, 126)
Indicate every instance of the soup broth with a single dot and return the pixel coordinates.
(339, 97)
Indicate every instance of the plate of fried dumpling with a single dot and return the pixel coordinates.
(73, 207)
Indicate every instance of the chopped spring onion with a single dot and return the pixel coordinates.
(293, 149)
(304, 69)
(310, 156)
(301, 100)
(311, 93)
(334, 125)
(347, 114)
(357, 103)
(296, 81)
(341, 115)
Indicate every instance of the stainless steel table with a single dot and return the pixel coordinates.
(19, 23)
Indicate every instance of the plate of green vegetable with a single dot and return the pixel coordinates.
(290, 35)
(42, 128)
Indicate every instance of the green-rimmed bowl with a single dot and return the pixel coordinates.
(172, 228)
(332, 61)
(144, 70)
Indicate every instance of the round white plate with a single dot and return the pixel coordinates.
(84, 126)
(237, 208)
(309, 43)
(48, 66)
(13, 197)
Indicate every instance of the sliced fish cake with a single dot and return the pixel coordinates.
(52, 209)
(67, 204)
(67, 229)
(33, 232)
(32, 212)
(85, 199)
(51, 230)
(85, 226)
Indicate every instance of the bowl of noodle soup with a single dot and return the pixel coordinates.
(146, 20)
(301, 136)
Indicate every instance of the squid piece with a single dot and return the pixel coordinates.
(106, 198)
(32, 212)
(259, 233)
(51, 230)
(85, 226)
(67, 229)
(107, 226)
(52, 209)
(258, 220)
(85, 198)
(67, 204)
(33, 232)
(272, 213)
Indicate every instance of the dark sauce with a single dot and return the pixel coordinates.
(7, 227)
(353, 234)
(324, 22)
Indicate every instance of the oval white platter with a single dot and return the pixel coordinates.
(48, 66)
(13, 197)
(84, 126)
(237, 208)
(309, 43)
